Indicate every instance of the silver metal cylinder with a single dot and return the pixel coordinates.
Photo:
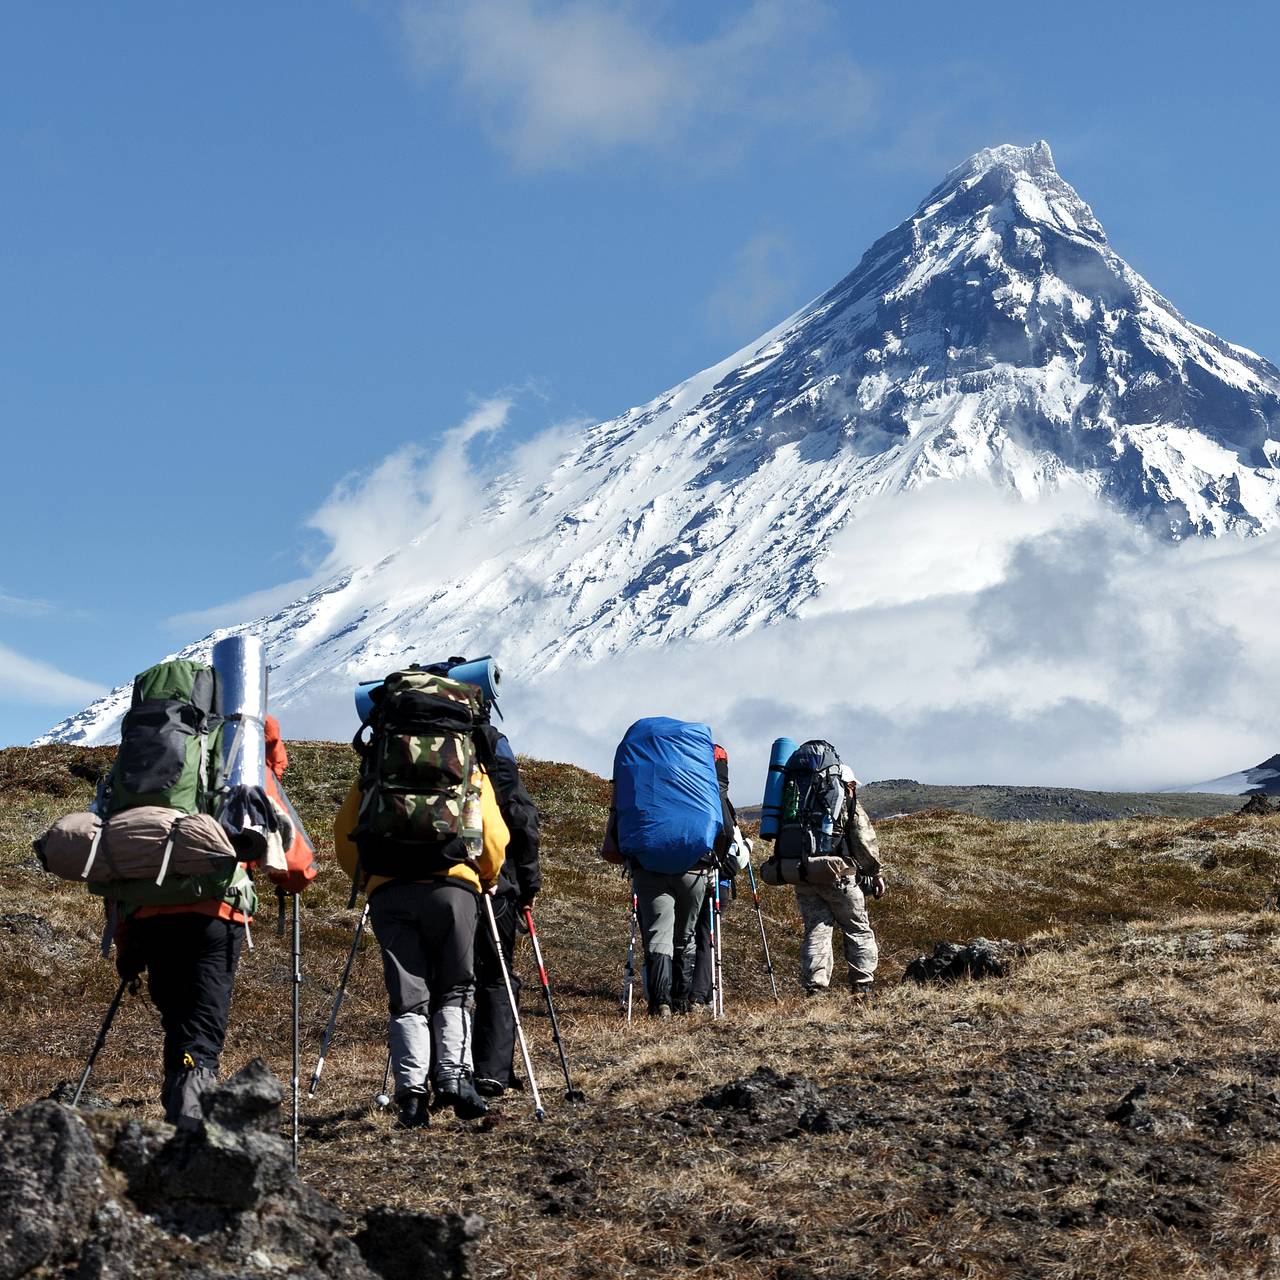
(242, 701)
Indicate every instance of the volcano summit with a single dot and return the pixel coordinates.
(994, 334)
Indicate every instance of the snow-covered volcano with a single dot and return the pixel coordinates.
(994, 333)
(1262, 779)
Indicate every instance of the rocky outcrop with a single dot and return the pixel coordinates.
(102, 1195)
(950, 962)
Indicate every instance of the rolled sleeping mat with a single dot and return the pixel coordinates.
(242, 702)
(484, 673)
(771, 809)
(245, 813)
(364, 698)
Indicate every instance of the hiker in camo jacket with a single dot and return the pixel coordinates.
(843, 905)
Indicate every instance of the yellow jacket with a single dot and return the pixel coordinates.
(492, 856)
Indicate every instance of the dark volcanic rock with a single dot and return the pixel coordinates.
(26, 925)
(106, 1196)
(951, 962)
(50, 1186)
(1258, 804)
(402, 1245)
(248, 1101)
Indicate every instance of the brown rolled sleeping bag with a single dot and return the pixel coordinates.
(822, 869)
(146, 843)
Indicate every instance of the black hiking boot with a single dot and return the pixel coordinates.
(412, 1111)
(487, 1087)
(461, 1095)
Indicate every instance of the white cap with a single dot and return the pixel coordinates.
(846, 775)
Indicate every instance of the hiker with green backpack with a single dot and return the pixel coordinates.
(421, 833)
(172, 868)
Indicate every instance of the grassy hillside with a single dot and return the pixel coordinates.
(896, 796)
(1041, 804)
(960, 1131)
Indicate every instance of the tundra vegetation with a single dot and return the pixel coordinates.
(1110, 1107)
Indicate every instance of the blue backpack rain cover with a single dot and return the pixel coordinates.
(666, 793)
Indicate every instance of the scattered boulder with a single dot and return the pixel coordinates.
(951, 962)
(102, 1194)
(50, 1188)
(401, 1245)
(1258, 805)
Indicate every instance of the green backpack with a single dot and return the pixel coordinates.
(170, 741)
(419, 777)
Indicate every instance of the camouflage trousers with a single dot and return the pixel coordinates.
(824, 907)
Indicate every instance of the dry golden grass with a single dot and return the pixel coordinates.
(956, 1131)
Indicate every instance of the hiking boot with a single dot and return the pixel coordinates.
(461, 1095)
(181, 1094)
(487, 1087)
(412, 1111)
(811, 992)
(663, 1013)
(862, 995)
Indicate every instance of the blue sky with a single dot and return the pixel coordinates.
(248, 250)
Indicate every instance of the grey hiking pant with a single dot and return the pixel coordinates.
(669, 906)
(427, 933)
(824, 907)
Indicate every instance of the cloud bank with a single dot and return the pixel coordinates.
(1051, 643)
(556, 85)
(961, 635)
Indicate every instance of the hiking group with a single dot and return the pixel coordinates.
(440, 835)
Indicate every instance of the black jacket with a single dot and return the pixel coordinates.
(521, 873)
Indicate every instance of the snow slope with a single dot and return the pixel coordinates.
(994, 333)
(1262, 779)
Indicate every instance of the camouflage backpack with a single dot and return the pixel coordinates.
(419, 777)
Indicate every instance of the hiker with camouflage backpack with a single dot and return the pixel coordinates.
(421, 832)
(827, 848)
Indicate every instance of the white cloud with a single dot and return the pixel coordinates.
(24, 606)
(1078, 651)
(419, 503)
(28, 680)
(556, 84)
(759, 289)
(408, 494)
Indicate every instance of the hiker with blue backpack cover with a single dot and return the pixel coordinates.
(664, 823)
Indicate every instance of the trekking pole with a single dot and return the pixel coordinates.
(538, 1113)
(713, 915)
(297, 1019)
(629, 974)
(384, 1098)
(720, 943)
(571, 1094)
(764, 942)
(112, 1009)
(337, 1002)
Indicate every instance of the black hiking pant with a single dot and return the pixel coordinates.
(191, 964)
(427, 933)
(494, 1032)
